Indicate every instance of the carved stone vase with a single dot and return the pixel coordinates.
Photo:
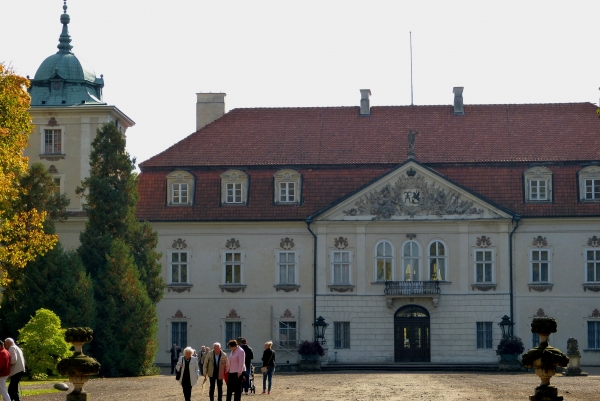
(78, 366)
(544, 359)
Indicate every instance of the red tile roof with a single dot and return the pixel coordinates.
(337, 152)
(339, 136)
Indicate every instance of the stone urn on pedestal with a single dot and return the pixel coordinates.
(544, 359)
(574, 368)
(79, 366)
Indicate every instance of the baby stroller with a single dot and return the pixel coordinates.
(251, 387)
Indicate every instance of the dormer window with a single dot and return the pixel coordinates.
(538, 185)
(287, 187)
(589, 184)
(180, 189)
(234, 187)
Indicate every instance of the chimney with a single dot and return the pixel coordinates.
(209, 107)
(459, 107)
(365, 105)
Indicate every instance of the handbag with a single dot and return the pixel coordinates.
(263, 369)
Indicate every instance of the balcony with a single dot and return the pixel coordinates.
(411, 289)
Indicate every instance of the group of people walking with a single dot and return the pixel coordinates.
(12, 364)
(216, 366)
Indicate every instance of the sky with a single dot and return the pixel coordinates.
(156, 55)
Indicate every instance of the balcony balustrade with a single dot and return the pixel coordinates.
(411, 289)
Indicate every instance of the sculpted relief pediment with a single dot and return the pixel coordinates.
(410, 195)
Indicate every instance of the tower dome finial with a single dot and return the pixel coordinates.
(64, 39)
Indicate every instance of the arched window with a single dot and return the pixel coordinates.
(384, 261)
(410, 261)
(437, 261)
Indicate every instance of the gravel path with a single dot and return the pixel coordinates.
(342, 386)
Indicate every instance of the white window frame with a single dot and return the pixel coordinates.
(437, 257)
(532, 261)
(538, 175)
(385, 258)
(229, 321)
(493, 262)
(484, 335)
(342, 262)
(285, 188)
(590, 185)
(596, 340)
(187, 264)
(179, 178)
(342, 335)
(415, 272)
(287, 177)
(43, 139)
(589, 173)
(595, 261)
(241, 264)
(278, 266)
(235, 178)
(293, 343)
(177, 189)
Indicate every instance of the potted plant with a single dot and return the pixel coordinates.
(510, 348)
(310, 350)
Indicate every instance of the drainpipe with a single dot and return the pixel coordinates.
(517, 218)
(308, 223)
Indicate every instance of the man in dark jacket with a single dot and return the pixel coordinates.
(248, 362)
(175, 351)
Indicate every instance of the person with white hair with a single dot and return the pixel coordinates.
(188, 370)
(216, 363)
(17, 368)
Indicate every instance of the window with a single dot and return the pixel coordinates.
(437, 261)
(287, 192)
(179, 334)
(287, 267)
(341, 267)
(484, 335)
(589, 184)
(384, 261)
(233, 330)
(535, 339)
(410, 261)
(179, 194)
(233, 268)
(592, 189)
(287, 334)
(287, 187)
(540, 265)
(180, 187)
(341, 335)
(538, 184)
(593, 335)
(592, 262)
(52, 141)
(484, 266)
(179, 267)
(234, 187)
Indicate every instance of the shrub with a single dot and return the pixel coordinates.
(43, 343)
(310, 348)
(510, 345)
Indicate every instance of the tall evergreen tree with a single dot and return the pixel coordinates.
(120, 254)
(57, 280)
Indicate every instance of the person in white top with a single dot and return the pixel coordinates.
(17, 368)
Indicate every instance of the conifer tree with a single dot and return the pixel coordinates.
(57, 280)
(119, 253)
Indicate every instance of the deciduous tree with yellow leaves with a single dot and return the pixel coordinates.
(22, 235)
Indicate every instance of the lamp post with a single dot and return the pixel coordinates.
(506, 325)
(320, 327)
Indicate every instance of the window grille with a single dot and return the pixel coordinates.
(233, 330)
(179, 334)
(484, 335)
(341, 335)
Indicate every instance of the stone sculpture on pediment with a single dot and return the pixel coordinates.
(411, 196)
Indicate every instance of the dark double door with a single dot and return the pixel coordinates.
(411, 335)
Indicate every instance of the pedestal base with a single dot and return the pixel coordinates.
(574, 372)
(309, 366)
(546, 393)
(510, 366)
(79, 397)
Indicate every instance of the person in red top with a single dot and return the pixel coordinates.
(4, 371)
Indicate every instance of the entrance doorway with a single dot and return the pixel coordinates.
(411, 334)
